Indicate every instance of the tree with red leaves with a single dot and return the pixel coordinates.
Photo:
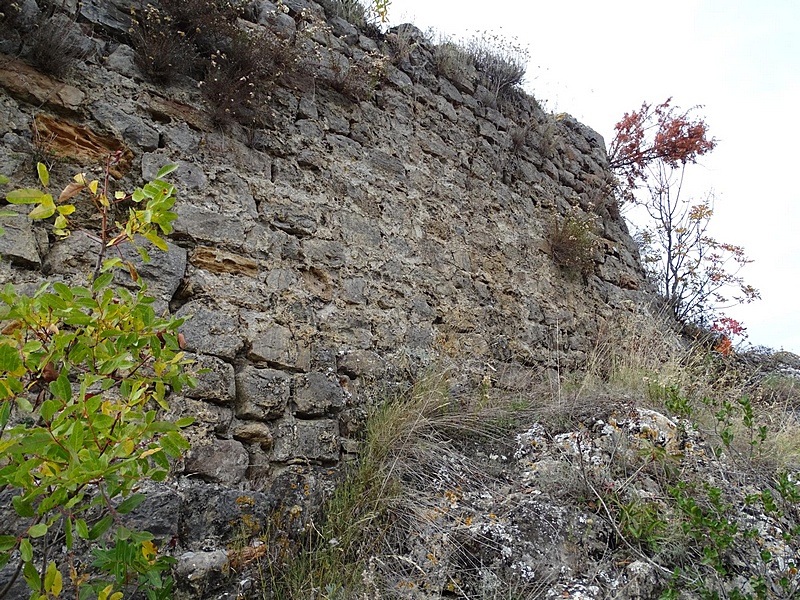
(693, 271)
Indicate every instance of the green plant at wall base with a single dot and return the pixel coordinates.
(83, 372)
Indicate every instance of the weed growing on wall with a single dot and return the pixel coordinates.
(501, 62)
(84, 371)
(162, 53)
(572, 243)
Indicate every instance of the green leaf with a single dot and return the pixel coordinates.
(5, 412)
(25, 196)
(3, 179)
(165, 170)
(38, 530)
(82, 529)
(7, 542)
(110, 263)
(153, 238)
(68, 532)
(61, 388)
(32, 577)
(130, 503)
(100, 527)
(102, 281)
(44, 176)
(8, 213)
(53, 582)
(26, 550)
(45, 209)
(10, 361)
(185, 422)
(23, 507)
(63, 290)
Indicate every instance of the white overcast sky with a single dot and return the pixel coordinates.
(740, 59)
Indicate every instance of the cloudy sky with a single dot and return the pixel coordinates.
(740, 59)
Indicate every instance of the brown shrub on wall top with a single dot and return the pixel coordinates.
(55, 44)
(162, 53)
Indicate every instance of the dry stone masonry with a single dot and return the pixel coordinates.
(327, 258)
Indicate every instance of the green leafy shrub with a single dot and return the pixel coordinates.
(83, 373)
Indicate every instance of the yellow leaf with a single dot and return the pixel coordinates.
(58, 584)
(119, 195)
(45, 209)
(149, 550)
(116, 596)
(127, 447)
(44, 176)
(103, 200)
(67, 209)
(147, 453)
(103, 595)
(93, 186)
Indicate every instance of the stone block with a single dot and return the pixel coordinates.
(222, 461)
(261, 394)
(210, 330)
(316, 394)
(217, 384)
(18, 245)
(277, 346)
(306, 440)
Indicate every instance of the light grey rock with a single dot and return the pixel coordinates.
(261, 394)
(360, 363)
(221, 461)
(199, 571)
(253, 432)
(306, 440)
(125, 123)
(316, 394)
(121, 60)
(276, 345)
(19, 244)
(210, 330)
(187, 177)
(217, 384)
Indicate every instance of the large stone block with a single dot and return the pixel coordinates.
(306, 440)
(217, 384)
(261, 394)
(222, 461)
(316, 394)
(210, 330)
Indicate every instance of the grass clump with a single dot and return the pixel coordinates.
(358, 516)
(501, 62)
(162, 53)
(55, 43)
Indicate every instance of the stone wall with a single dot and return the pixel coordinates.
(332, 254)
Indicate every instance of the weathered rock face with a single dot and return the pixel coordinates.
(339, 249)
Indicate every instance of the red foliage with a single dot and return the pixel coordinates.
(657, 133)
(728, 328)
(724, 346)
